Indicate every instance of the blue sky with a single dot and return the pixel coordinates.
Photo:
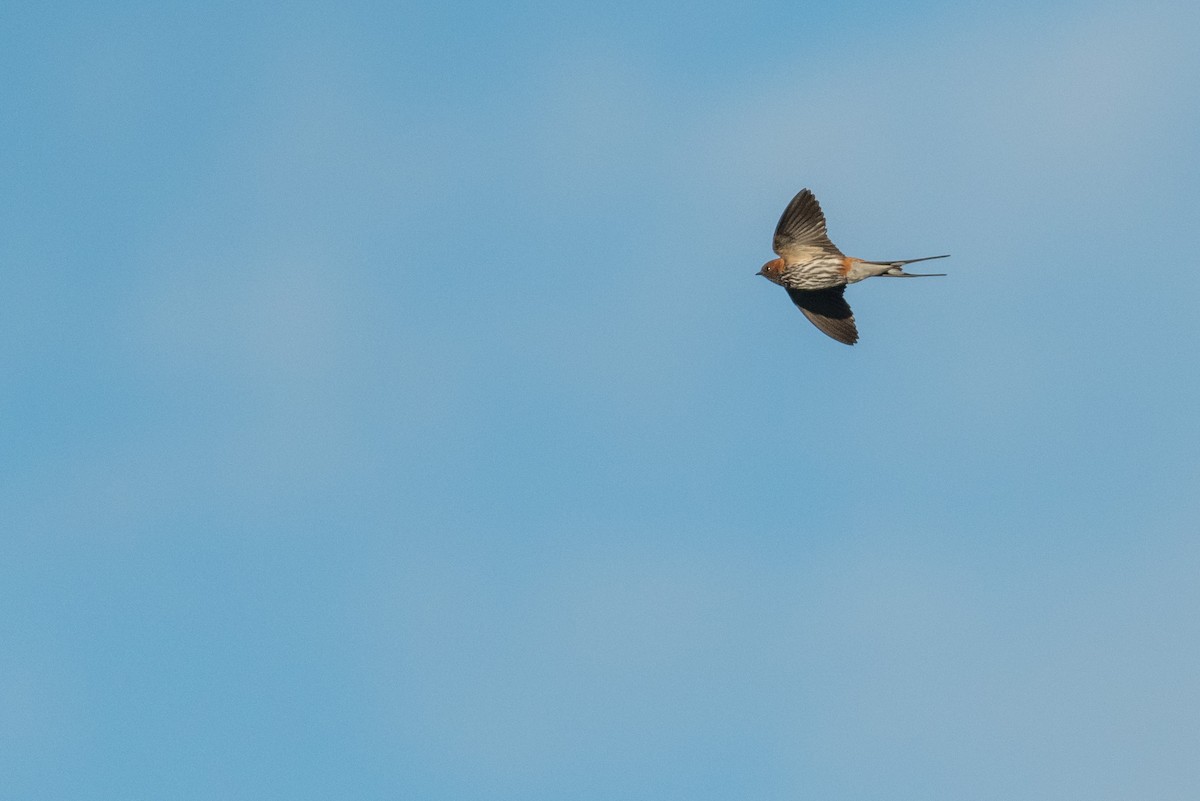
(390, 408)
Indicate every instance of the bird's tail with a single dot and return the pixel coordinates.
(895, 268)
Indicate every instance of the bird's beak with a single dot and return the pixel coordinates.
(759, 272)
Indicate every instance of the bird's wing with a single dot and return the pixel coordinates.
(828, 310)
(800, 235)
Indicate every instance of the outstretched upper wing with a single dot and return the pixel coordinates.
(800, 235)
(828, 311)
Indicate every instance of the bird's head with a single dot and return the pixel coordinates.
(772, 271)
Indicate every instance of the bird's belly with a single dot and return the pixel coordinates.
(811, 277)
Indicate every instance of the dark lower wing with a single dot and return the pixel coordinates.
(828, 311)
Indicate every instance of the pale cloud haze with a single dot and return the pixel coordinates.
(391, 409)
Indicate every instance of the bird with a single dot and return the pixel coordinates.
(815, 273)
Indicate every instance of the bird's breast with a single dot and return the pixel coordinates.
(819, 273)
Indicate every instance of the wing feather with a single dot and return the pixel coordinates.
(828, 310)
(801, 235)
